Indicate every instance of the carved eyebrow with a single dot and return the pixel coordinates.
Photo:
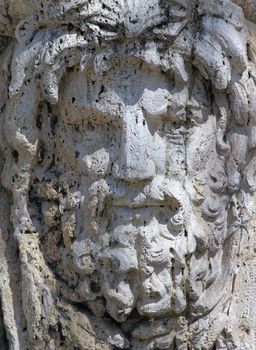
(129, 16)
(126, 28)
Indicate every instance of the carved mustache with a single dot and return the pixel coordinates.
(158, 192)
(104, 194)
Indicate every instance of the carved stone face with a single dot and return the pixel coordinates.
(117, 138)
(128, 130)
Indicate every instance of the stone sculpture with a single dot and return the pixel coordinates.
(128, 138)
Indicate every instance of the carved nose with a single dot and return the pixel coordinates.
(134, 161)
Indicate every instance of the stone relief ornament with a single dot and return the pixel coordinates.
(128, 136)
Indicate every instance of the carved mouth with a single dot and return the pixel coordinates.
(138, 203)
(141, 201)
(158, 193)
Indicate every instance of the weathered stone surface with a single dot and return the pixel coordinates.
(128, 136)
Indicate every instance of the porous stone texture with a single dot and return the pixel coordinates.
(128, 162)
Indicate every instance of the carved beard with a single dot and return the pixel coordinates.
(116, 248)
(131, 263)
(128, 247)
(129, 251)
(139, 277)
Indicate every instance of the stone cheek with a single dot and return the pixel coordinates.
(128, 174)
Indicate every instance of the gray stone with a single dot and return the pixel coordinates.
(128, 138)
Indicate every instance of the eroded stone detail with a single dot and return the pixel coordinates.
(128, 141)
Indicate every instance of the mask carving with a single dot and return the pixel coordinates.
(128, 142)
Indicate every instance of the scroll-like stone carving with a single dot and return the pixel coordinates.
(128, 144)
